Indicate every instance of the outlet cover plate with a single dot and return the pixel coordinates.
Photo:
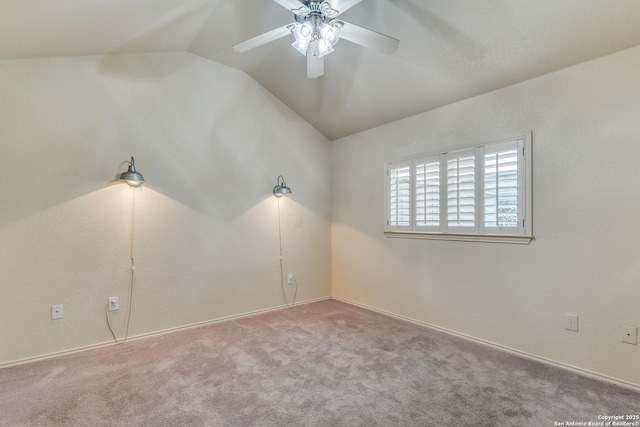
(629, 334)
(114, 303)
(571, 322)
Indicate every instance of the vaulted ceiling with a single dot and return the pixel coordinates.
(449, 49)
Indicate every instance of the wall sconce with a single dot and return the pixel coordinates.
(133, 177)
(281, 187)
(280, 190)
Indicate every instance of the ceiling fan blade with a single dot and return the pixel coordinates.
(315, 65)
(343, 5)
(265, 38)
(368, 38)
(289, 4)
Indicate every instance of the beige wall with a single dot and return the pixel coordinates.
(586, 199)
(210, 142)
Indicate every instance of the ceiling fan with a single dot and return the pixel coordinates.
(316, 30)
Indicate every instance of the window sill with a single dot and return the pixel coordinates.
(484, 238)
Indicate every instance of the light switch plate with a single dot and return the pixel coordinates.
(56, 312)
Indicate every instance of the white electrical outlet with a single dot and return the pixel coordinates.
(56, 312)
(290, 279)
(629, 334)
(114, 303)
(571, 322)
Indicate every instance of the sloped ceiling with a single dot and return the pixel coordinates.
(449, 49)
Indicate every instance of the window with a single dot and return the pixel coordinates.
(480, 193)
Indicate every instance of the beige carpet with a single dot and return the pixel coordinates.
(322, 364)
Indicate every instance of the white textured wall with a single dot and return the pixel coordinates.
(210, 142)
(586, 201)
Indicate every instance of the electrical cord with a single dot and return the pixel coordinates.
(106, 315)
(284, 294)
(133, 267)
(106, 311)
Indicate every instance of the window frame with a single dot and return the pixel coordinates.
(521, 234)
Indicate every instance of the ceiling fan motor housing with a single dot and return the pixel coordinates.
(319, 10)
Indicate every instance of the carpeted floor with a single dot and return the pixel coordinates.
(321, 364)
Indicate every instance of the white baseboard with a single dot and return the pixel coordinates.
(574, 369)
(156, 333)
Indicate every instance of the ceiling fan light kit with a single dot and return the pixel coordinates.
(316, 30)
(319, 37)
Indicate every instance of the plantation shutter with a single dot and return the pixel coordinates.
(504, 190)
(483, 190)
(399, 199)
(428, 205)
(461, 191)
